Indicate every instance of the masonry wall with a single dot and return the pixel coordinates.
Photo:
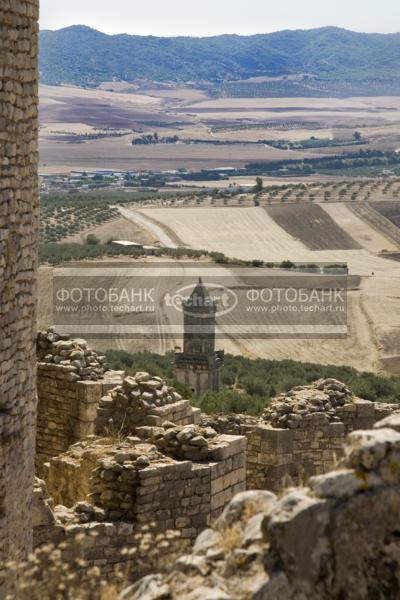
(18, 236)
(66, 410)
(180, 413)
(280, 457)
(99, 544)
(189, 496)
(277, 458)
(70, 410)
(182, 495)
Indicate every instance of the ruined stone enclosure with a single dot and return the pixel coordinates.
(117, 453)
(18, 236)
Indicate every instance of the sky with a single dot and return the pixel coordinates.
(212, 17)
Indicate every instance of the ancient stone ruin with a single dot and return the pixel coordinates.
(127, 466)
(119, 452)
(301, 433)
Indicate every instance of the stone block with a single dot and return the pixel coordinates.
(365, 409)
(232, 444)
(89, 391)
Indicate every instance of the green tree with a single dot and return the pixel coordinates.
(259, 185)
(92, 240)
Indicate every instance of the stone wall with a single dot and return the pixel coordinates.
(143, 400)
(18, 236)
(302, 433)
(132, 481)
(113, 547)
(277, 458)
(67, 409)
(313, 442)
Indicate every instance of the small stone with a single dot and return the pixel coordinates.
(199, 441)
(130, 383)
(142, 462)
(142, 376)
(190, 563)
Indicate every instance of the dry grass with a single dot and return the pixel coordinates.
(231, 538)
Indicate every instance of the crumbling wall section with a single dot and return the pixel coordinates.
(83, 543)
(18, 262)
(67, 409)
(301, 433)
(143, 400)
(132, 481)
(277, 458)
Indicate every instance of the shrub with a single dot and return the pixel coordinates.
(92, 240)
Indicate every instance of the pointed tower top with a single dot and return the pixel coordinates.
(200, 300)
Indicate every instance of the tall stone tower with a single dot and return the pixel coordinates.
(198, 366)
(18, 237)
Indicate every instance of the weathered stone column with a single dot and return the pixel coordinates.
(18, 236)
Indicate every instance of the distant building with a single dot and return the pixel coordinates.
(198, 366)
(126, 244)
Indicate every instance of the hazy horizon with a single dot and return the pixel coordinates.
(177, 18)
(218, 34)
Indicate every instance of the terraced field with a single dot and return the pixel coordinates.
(314, 227)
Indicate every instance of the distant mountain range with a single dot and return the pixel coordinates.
(83, 56)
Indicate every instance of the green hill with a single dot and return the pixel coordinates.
(83, 56)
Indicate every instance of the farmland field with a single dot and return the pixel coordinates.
(313, 226)
(373, 305)
(368, 237)
(348, 221)
(93, 129)
(118, 229)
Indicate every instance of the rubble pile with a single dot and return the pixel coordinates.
(142, 393)
(83, 363)
(323, 396)
(82, 512)
(189, 442)
(233, 424)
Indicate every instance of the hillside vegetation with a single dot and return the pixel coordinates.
(248, 385)
(83, 56)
